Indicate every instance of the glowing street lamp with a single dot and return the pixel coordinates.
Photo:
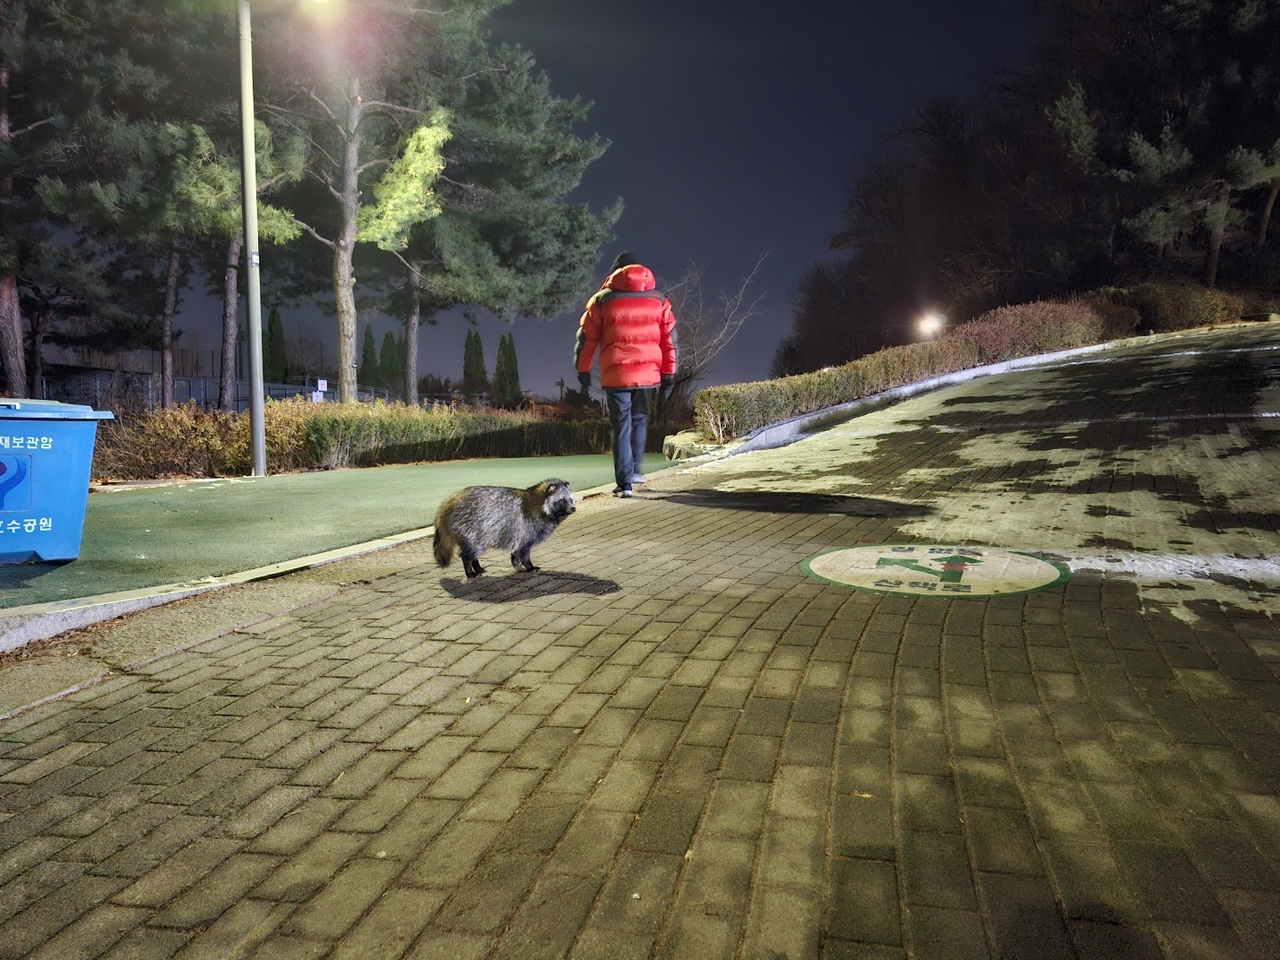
(931, 325)
(249, 186)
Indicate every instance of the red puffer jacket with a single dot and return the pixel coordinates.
(632, 324)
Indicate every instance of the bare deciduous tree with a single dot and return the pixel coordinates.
(705, 325)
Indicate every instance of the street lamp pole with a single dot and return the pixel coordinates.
(257, 427)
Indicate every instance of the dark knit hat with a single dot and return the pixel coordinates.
(624, 259)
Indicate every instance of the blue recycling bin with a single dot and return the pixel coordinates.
(46, 452)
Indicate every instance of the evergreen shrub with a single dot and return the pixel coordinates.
(1168, 305)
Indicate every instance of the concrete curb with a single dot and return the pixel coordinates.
(23, 625)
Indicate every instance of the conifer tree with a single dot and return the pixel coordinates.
(72, 87)
(274, 359)
(368, 358)
(506, 374)
(375, 136)
(389, 362)
(475, 377)
(496, 231)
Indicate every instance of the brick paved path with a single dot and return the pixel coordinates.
(669, 743)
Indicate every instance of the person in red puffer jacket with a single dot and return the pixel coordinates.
(632, 325)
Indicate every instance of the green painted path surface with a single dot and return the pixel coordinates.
(143, 537)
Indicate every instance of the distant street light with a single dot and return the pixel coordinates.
(931, 325)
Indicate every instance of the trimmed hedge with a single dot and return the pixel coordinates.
(1021, 330)
(1167, 305)
(1028, 329)
(186, 441)
(734, 410)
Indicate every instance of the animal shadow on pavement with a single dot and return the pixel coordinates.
(522, 586)
(770, 501)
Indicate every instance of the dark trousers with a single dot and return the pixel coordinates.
(629, 417)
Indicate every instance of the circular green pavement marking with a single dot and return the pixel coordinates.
(929, 570)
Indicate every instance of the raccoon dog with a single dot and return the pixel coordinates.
(477, 518)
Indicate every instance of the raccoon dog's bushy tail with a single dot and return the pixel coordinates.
(444, 546)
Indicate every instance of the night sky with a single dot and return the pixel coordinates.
(733, 130)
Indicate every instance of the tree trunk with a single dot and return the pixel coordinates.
(230, 329)
(411, 338)
(344, 278)
(166, 325)
(39, 324)
(11, 352)
(1265, 220)
(1215, 235)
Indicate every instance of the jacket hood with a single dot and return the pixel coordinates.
(631, 278)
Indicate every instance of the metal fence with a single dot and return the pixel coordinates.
(123, 392)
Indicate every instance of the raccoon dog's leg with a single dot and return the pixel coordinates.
(520, 560)
(471, 563)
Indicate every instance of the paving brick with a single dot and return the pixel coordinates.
(942, 934)
(863, 898)
(800, 792)
(27, 853)
(1168, 884)
(1024, 918)
(300, 826)
(23, 933)
(392, 924)
(411, 829)
(179, 873)
(92, 935)
(1001, 841)
(782, 922)
(448, 945)
(792, 853)
(32, 884)
(263, 811)
(237, 932)
(118, 832)
(866, 728)
(345, 895)
(622, 915)
(1225, 856)
(228, 883)
(935, 871)
(692, 934)
(1090, 884)
(751, 758)
(926, 804)
(145, 943)
(161, 843)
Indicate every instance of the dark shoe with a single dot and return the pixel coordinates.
(620, 492)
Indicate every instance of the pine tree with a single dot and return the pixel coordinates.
(274, 362)
(375, 134)
(72, 87)
(506, 375)
(504, 237)
(389, 363)
(368, 358)
(475, 377)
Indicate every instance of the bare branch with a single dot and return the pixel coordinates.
(29, 127)
(311, 230)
